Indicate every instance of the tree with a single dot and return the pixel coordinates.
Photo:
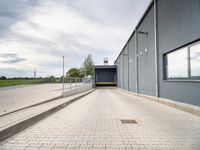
(3, 78)
(50, 79)
(88, 66)
(75, 72)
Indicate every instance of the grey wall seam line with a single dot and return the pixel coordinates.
(136, 60)
(156, 48)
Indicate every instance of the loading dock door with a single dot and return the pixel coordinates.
(105, 76)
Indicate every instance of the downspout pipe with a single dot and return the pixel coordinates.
(128, 65)
(156, 49)
(136, 60)
(122, 74)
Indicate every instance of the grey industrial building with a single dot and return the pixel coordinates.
(162, 56)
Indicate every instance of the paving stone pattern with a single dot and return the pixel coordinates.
(13, 118)
(16, 97)
(93, 122)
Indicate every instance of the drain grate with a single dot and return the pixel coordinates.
(128, 121)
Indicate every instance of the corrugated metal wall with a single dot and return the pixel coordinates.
(177, 27)
(125, 64)
(178, 23)
(146, 56)
(132, 64)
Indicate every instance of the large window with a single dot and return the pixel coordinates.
(195, 60)
(177, 64)
(183, 63)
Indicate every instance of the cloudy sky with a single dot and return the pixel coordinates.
(37, 33)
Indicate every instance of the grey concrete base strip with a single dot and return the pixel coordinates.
(16, 128)
(181, 106)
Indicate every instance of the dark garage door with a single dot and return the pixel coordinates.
(105, 76)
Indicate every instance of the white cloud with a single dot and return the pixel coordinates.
(74, 29)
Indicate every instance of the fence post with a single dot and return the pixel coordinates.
(63, 74)
(70, 81)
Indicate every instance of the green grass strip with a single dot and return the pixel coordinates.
(5, 83)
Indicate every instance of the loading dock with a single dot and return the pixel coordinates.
(105, 75)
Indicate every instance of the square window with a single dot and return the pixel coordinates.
(195, 60)
(177, 64)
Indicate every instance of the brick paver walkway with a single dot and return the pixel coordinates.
(21, 115)
(93, 122)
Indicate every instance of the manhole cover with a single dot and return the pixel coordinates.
(128, 121)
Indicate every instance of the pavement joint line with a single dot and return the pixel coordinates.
(27, 122)
(195, 110)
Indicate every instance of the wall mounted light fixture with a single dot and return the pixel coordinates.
(141, 32)
(125, 54)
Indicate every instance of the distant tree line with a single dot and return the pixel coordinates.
(50, 79)
(17, 78)
(87, 69)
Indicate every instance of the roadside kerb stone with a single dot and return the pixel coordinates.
(9, 131)
(46, 101)
(77, 90)
(65, 94)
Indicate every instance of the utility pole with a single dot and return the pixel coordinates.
(34, 73)
(63, 74)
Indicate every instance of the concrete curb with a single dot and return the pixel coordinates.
(65, 94)
(80, 89)
(46, 101)
(195, 110)
(16, 128)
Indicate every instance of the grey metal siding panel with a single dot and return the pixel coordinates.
(125, 57)
(186, 92)
(177, 27)
(118, 75)
(132, 65)
(121, 72)
(146, 60)
(178, 23)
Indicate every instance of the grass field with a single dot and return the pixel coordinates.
(4, 83)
